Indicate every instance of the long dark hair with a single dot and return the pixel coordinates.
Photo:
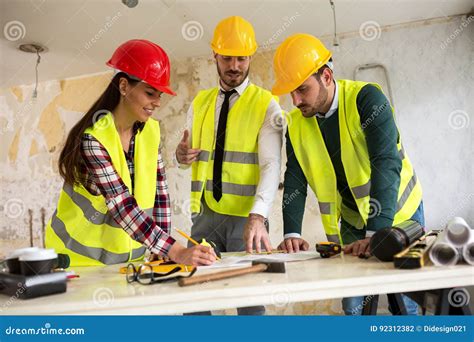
(70, 157)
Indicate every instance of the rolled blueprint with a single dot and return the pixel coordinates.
(443, 253)
(468, 251)
(458, 232)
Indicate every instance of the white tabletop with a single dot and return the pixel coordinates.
(103, 291)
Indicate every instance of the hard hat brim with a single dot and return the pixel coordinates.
(279, 89)
(165, 89)
(233, 53)
(162, 88)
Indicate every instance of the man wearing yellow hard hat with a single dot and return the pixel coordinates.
(343, 142)
(234, 149)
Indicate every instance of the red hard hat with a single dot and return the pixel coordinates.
(144, 60)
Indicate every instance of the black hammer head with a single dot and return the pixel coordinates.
(272, 266)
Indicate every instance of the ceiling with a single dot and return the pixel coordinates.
(82, 34)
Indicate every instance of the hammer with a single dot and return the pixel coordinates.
(257, 266)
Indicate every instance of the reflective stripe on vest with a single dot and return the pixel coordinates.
(92, 214)
(312, 155)
(227, 188)
(364, 190)
(232, 157)
(240, 168)
(99, 254)
(82, 226)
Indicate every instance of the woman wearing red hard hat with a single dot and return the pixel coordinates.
(115, 204)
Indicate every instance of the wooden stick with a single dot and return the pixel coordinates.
(222, 275)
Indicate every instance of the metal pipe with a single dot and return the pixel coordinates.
(335, 41)
(30, 224)
(377, 65)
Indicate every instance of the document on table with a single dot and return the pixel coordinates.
(240, 259)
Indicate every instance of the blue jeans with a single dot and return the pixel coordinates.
(419, 215)
(354, 305)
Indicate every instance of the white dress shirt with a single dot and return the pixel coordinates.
(269, 148)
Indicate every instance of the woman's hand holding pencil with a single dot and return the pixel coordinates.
(197, 255)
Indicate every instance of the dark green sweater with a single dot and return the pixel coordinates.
(381, 135)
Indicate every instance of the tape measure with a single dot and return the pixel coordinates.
(328, 249)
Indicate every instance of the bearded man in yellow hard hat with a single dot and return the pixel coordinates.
(234, 148)
(343, 142)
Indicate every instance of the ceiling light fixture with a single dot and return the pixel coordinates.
(34, 48)
(130, 3)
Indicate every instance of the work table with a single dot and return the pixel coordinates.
(104, 291)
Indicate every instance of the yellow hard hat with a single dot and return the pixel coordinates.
(234, 36)
(297, 58)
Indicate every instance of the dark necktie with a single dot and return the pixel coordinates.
(220, 142)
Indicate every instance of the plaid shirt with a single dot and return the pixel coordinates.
(102, 179)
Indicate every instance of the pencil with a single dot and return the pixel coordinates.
(187, 236)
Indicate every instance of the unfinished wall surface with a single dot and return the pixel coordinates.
(431, 76)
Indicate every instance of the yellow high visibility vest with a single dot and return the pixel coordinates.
(82, 226)
(313, 157)
(240, 169)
